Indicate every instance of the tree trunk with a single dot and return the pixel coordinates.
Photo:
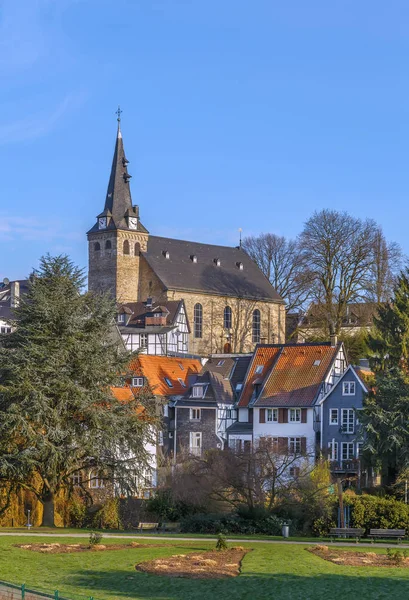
(48, 510)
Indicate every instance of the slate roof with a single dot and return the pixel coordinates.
(139, 312)
(240, 427)
(156, 368)
(180, 272)
(357, 314)
(297, 375)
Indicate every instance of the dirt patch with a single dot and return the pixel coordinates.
(395, 558)
(203, 565)
(71, 548)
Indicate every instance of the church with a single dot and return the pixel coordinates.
(230, 306)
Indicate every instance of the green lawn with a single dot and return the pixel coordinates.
(282, 571)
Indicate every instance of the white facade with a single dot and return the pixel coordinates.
(291, 430)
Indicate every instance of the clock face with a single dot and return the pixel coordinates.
(133, 222)
(102, 223)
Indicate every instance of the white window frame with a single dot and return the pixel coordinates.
(293, 444)
(348, 424)
(294, 415)
(349, 446)
(195, 414)
(197, 391)
(160, 438)
(348, 388)
(137, 382)
(95, 481)
(272, 415)
(121, 318)
(143, 340)
(76, 478)
(331, 411)
(335, 457)
(359, 448)
(195, 448)
(166, 410)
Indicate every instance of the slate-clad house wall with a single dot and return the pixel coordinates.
(133, 265)
(205, 426)
(341, 436)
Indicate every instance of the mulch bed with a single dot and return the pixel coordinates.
(199, 565)
(356, 559)
(70, 548)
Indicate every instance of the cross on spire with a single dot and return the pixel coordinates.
(118, 114)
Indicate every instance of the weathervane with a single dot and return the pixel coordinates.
(118, 114)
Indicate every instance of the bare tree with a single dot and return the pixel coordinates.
(386, 263)
(283, 264)
(338, 251)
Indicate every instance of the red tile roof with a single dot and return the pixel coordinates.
(264, 356)
(156, 368)
(296, 376)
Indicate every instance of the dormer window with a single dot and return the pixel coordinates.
(220, 363)
(197, 391)
(240, 265)
(259, 369)
(193, 258)
(166, 254)
(121, 318)
(168, 382)
(217, 262)
(137, 382)
(182, 383)
(317, 363)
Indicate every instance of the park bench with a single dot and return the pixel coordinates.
(346, 532)
(397, 534)
(149, 526)
(174, 527)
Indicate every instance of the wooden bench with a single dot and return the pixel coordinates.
(397, 534)
(170, 527)
(346, 532)
(150, 526)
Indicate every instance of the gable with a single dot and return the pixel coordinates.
(348, 375)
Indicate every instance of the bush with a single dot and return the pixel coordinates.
(269, 524)
(397, 557)
(221, 544)
(374, 512)
(168, 509)
(95, 538)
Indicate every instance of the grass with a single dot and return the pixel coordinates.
(283, 571)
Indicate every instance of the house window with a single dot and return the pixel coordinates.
(359, 448)
(195, 443)
(182, 383)
(168, 382)
(348, 388)
(256, 327)
(229, 413)
(333, 450)
(295, 415)
(181, 367)
(143, 340)
(239, 387)
(121, 318)
(220, 363)
(198, 320)
(227, 318)
(195, 414)
(76, 479)
(97, 247)
(294, 445)
(333, 416)
(259, 369)
(272, 415)
(348, 420)
(126, 247)
(166, 410)
(5, 329)
(108, 245)
(160, 438)
(137, 382)
(197, 391)
(317, 363)
(95, 481)
(294, 472)
(347, 450)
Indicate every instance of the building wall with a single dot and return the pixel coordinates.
(150, 286)
(287, 430)
(214, 336)
(337, 400)
(206, 425)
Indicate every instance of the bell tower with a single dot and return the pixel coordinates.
(118, 237)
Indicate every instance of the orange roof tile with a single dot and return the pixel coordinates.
(156, 368)
(264, 356)
(295, 380)
(122, 393)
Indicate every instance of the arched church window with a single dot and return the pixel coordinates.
(198, 320)
(137, 248)
(227, 318)
(108, 245)
(97, 247)
(256, 326)
(126, 247)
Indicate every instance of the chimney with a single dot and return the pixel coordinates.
(14, 293)
(334, 340)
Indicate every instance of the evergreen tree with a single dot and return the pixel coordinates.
(385, 419)
(58, 416)
(389, 340)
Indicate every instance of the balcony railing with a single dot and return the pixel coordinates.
(351, 465)
(155, 321)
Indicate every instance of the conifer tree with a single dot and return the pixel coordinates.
(58, 416)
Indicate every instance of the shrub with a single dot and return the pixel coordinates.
(95, 538)
(374, 512)
(397, 557)
(168, 509)
(77, 512)
(221, 543)
(269, 524)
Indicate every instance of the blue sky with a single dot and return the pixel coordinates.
(235, 114)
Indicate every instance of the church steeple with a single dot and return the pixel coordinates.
(119, 213)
